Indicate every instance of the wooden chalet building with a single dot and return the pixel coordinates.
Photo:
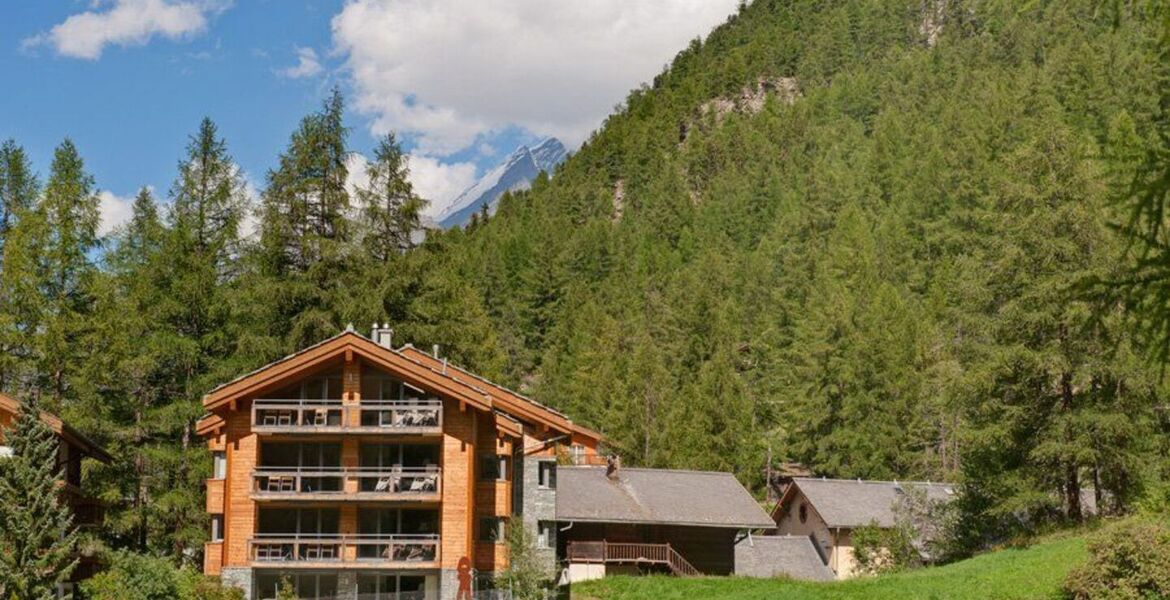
(358, 470)
(72, 449)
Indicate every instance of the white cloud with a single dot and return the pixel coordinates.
(307, 65)
(126, 23)
(250, 222)
(115, 211)
(438, 182)
(450, 70)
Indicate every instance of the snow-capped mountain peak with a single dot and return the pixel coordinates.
(515, 173)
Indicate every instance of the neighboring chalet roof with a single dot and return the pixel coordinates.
(850, 503)
(419, 369)
(61, 428)
(657, 496)
(794, 556)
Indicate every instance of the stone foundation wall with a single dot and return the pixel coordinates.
(239, 577)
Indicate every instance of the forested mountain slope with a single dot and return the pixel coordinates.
(851, 233)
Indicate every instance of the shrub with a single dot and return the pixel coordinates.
(924, 532)
(1128, 560)
(132, 576)
(526, 577)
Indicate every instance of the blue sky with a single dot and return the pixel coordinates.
(463, 81)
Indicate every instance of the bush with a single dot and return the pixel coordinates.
(924, 532)
(132, 576)
(526, 577)
(1129, 560)
(878, 550)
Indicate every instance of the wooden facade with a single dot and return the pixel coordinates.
(355, 468)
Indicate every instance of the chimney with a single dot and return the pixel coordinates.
(383, 336)
(435, 351)
(613, 465)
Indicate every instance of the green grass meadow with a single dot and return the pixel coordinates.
(1012, 574)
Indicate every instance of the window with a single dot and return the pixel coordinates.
(803, 512)
(546, 536)
(493, 530)
(217, 528)
(388, 586)
(548, 474)
(493, 467)
(577, 453)
(218, 465)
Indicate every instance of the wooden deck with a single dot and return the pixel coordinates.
(639, 554)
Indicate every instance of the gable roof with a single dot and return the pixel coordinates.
(849, 503)
(419, 369)
(794, 556)
(657, 496)
(10, 405)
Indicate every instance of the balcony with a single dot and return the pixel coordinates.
(334, 550)
(417, 484)
(386, 417)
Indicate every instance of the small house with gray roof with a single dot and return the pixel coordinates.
(828, 510)
(636, 520)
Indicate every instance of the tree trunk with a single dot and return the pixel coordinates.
(1072, 484)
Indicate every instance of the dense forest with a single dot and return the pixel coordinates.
(874, 238)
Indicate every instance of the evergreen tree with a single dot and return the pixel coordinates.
(208, 200)
(391, 210)
(37, 539)
(18, 306)
(306, 203)
(70, 212)
(305, 239)
(18, 188)
(22, 305)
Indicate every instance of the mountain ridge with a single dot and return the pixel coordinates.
(515, 173)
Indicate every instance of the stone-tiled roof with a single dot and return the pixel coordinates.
(854, 503)
(657, 496)
(780, 556)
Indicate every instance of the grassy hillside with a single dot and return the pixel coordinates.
(1032, 573)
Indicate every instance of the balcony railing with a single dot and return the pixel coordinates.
(339, 483)
(331, 416)
(384, 550)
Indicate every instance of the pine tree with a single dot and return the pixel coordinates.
(37, 539)
(391, 210)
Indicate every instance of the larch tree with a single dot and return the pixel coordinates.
(70, 212)
(306, 231)
(391, 210)
(18, 188)
(18, 305)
